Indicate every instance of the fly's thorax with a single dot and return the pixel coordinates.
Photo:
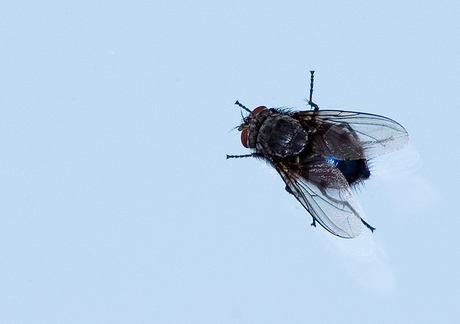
(273, 133)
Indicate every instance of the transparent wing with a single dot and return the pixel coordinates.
(377, 134)
(334, 208)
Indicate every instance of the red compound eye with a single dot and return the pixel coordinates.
(244, 137)
(258, 110)
(244, 133)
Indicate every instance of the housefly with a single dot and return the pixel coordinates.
(321, 155)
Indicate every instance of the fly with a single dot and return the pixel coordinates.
(321, 155)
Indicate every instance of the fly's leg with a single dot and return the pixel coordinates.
(242, 106)
(242, 156)
(238, 156)
(290, 191)
(314, 222)
(310, 102)
(368, 225)
(346, 203)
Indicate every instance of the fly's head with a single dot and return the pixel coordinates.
(251, 125)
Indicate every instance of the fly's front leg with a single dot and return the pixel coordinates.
(244, 156)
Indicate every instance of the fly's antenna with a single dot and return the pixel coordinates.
(242, 106)
(310, 102)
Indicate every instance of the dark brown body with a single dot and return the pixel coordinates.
(320, 155)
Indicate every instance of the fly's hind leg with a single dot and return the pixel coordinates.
(314, 222)
(368, 225)
(347, 204)
(290, 191)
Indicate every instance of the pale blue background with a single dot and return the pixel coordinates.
(117, 204)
